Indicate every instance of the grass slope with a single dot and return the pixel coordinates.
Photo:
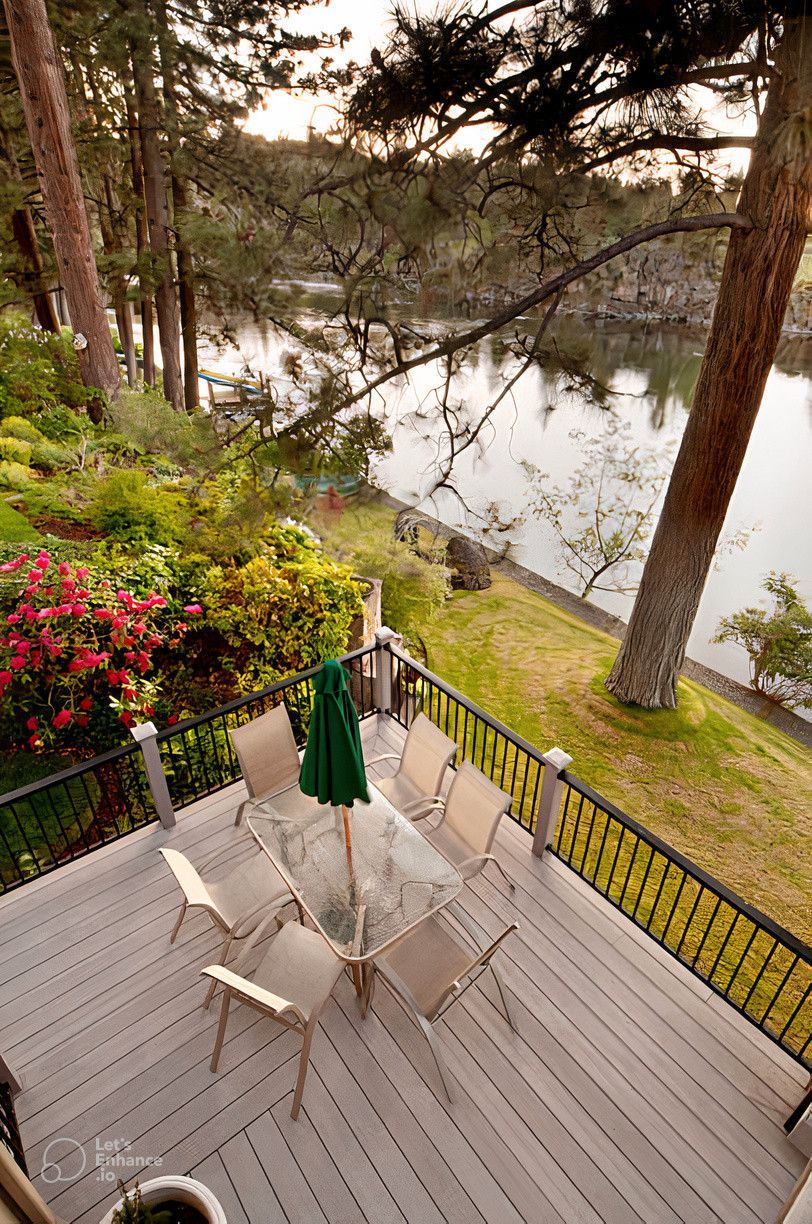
(730, 791)
(14, 527)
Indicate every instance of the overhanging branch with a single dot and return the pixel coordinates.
(675, 144)
(551, 287)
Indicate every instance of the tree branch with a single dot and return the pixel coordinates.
(660, 140)
(555, 285)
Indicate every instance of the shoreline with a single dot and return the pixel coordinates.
(724, 686)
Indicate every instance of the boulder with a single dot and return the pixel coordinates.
(468, 563)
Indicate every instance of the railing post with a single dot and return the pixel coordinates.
(555, 762)
(146, 735)
(382, 686)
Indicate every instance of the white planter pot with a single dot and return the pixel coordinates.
(182, 1190)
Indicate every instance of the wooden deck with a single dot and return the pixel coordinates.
(629, 1093)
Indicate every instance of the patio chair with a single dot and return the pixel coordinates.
(469, 818)
(415, 787)
(430, 969)
(236, 904)
(291, 984)
(268, 756)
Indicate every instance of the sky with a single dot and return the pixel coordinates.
(291, 114)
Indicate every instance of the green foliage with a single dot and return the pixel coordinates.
(13, 475)
(231, 513)
(19, 427)
(13, 525)
(415, 587)
(285, 610)
(778, 641)
(151, 426)
(52, 456)
(133, 1209)
(37, 370)
(128, 508)
(15, 450)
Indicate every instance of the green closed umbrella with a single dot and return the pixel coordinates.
(333, 764)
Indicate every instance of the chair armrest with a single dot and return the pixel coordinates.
(425, 807)
(217, 855)
(264, 999)
(243, 925)
(258, 932)
(387, 756)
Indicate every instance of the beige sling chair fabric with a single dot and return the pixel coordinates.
(268, 757)
(235, 904)
(418, 781)
(469, 817)
(291, 984)
(429, 969)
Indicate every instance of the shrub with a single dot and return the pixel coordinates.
(15, 450)
(37, 370)
(52, 456)
(13, 475)
(77, 653)
(778, 641)
(285, 610)
(415, 588)
(150, 425)
(19, 427)
(128, 508)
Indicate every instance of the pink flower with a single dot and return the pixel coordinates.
(43, 561)
(68, 584)
(78, 609)
(126, 717)
(23, 647)
(82, 572)
(102, 614)
(64, 567)
(171, 720)
(6, 677)
(17, 663)
(34, 576)
(85, 704)
(31, 724)
(13, 618)
(34, 741)
(112, 676)
(62, 718)
(193, 609)
(82, 720)
(139, 627)
(118, 622)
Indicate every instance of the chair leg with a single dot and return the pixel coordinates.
(369, 988)
(227, 942)
(500, 985)
(240, 811)
(221, 1029)
(434, 1046)
(176, 927)
(304, 1059)
(505, 875)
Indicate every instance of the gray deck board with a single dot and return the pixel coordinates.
(628, 1093)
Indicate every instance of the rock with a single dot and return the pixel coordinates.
(468, 563)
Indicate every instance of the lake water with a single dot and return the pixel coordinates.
(649, 370)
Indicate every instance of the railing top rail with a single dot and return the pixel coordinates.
(450, 691)
(188, 724)
(796, 945)
(65, 775)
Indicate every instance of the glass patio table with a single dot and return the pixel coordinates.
(361, 903)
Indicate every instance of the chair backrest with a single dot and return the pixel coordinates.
(267, 753)
(474, 806)
(194, 889)
(427, 754)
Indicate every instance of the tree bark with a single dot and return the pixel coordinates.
(22, 226)
(183, 251)
(166, 303)
(45, 103)
(141, 239)
(757, 278)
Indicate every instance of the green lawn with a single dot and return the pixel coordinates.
(727, 789)
(13, 526)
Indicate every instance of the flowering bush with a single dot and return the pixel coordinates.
(77, 655)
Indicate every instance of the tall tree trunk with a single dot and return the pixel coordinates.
(22, 226)
(166, 303)
(183, 251)
(141, 239)
(45, 104)
(757, 279)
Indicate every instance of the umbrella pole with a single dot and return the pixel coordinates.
(357, 976)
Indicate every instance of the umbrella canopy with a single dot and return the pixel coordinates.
(333, 763)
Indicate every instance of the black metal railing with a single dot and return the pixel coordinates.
(197, 755)
(743, 956)
(9, 1130)
(67, 815)
(507, 759)
(747, 959)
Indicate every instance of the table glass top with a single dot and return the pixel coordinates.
(397, 877)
